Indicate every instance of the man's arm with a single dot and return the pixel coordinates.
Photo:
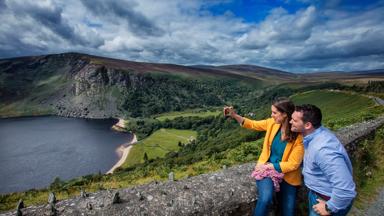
(334, 166)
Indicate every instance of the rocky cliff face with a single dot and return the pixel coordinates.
(43, 80)
(71, 84)
(89, 94)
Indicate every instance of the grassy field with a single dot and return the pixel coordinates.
(368, 168)
(158, 144)
(340, 108)
(172, 115)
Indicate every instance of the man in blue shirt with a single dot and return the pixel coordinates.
(327, 169)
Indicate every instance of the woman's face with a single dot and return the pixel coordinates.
(278, 116)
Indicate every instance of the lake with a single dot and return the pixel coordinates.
(35, 150)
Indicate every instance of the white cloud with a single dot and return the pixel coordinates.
(280, 27)
(186, 32)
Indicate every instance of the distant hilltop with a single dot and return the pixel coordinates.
(81, 85)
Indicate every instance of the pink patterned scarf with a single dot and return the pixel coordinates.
(264, 171)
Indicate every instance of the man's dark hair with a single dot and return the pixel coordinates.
(311, 113)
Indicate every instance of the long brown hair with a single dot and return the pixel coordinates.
(284, 105)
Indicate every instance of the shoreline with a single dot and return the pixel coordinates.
(120, 126)
(123, 152)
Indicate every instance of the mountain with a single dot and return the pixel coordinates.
(81, 85)
(254, 72)
(357, 76)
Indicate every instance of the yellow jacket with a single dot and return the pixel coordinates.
(293, 153)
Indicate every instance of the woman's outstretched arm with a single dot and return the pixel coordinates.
(229, 111)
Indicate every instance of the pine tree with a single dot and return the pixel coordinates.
(145, 157)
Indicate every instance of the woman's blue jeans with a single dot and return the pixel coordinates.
(312, 200)
(286, 197)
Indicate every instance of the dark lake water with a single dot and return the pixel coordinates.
(35, 150)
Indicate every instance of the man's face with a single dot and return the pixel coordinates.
(297, 122)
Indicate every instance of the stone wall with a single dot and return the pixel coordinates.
(228, 192)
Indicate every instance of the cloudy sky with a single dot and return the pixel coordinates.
(292, 35)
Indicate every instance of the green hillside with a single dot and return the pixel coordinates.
(198, 113)
(34, 103)
(83, 86)
(340, 108)
(159, 144)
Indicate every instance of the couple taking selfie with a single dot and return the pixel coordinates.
(297, 144)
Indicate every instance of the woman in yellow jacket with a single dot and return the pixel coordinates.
(283, 151)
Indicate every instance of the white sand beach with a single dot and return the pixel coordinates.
(123, 152)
